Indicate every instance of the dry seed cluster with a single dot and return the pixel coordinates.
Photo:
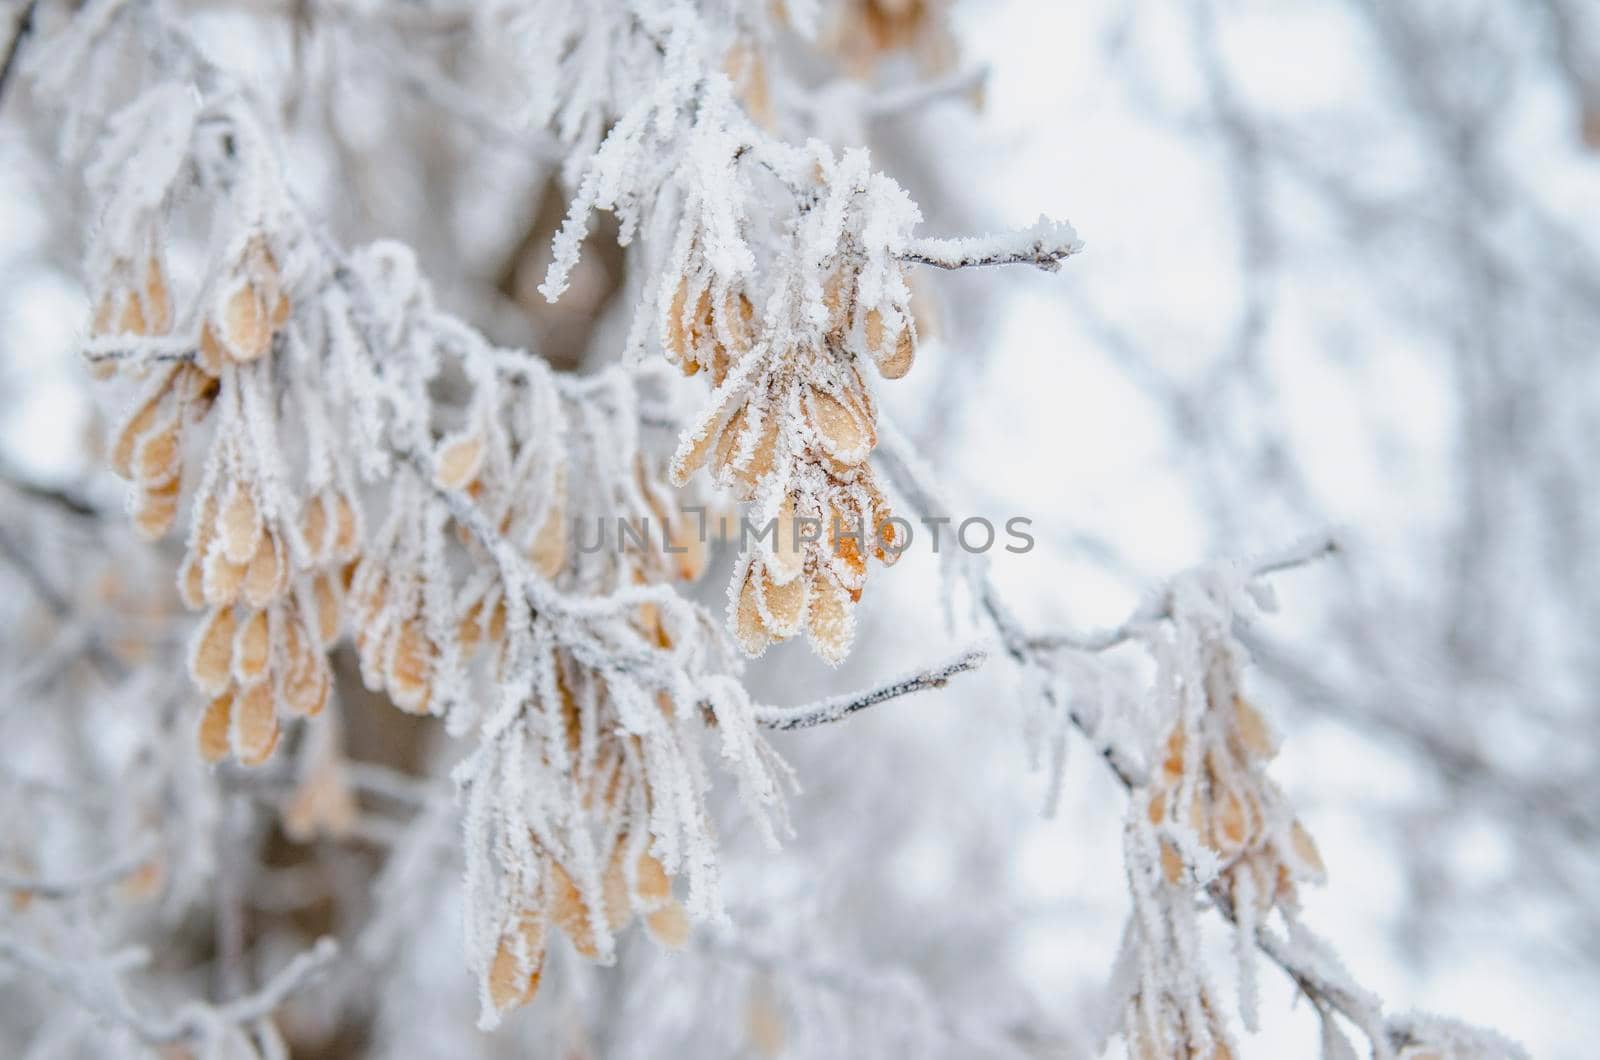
(793, 428)
(272, 604)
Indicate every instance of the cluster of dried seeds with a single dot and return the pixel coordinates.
(792, 428)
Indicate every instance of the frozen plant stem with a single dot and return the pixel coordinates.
(837, 707)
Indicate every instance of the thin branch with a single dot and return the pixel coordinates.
(89, 983)
(835, 708)
(1045, 246)
(1159, 606)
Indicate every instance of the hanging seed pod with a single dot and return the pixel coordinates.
(314, 528)
(897, 360)
(674, 335)
(267, 577)
(246, 327)
(214, 725)
(252, 649)
(409, 669)
(346, 541)
(570, 913)
(211, 657)
(843, 436)
(1254, 732)
(1306, 852)
(254, 730)
(669, 926)
(692, 454)
(750, 628)
(220, 579)
(156, 461)
(785, 604)
(158, 300)
(829, 622)
(156, 509)
(653, 888)
(132, 321)
(141, 420)
(305, 693)
(325, 596)
(459, 461)
(518, 962)
(239, 524)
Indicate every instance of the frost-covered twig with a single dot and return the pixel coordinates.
(1045, 245)
(835, 708)
(1159, 605)
(96, 985)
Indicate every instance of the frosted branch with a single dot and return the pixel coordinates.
(89, 984)
(1044, 245)
(1158, 607)
(835, 708)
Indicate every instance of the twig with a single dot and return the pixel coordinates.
(83, 982)
(1159, 606)
(834, 708)
(1045, 245)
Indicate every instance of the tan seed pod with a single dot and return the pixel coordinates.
(1254, 732)
(267, 577)
(669, 926)
(239, 524)
(214, 726)
(156, 510)
(786, 604)
(829, 621)
(246, 328)
(614, 890)
(209, 356)
(220, 579)
(1229, 825)
(1171, 862)
(692, 454)
(674, 335)
(191, 581)
(211, 658)
(325, 594)
(345, 540)
(518, 962)
(654, 886)
(103, 311)
(749, 627)
(409, 669)
(254, 731)
(1305, 849)
(252, 649)
(157, 458)
(314, 527)
(570, 913)
(158, 300)
(872, 331)
(306, 692)
(134, 428)
(897, 361)
(132, 321)
(843, 436)
(459, 461)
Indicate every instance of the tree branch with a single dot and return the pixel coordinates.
(835, 708)
(1045, 245)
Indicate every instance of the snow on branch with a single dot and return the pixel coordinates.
(835, 708)
(1044, 245)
